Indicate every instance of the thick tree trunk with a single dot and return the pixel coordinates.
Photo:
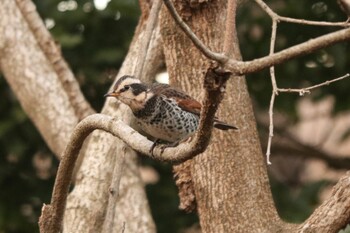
(230, 178)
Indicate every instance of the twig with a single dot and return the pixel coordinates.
(287, 54)
(221, 58)
(151, 24)
(241, 68)
(303, 91)
(279, 18)
(274, 91)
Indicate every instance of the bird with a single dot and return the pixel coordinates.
(164, 112)
(345, 6)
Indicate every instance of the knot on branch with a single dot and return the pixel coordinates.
(215, 79)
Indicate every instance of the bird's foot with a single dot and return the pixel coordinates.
(162, 147)
(155, 143)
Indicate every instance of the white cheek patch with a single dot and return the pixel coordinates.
(141, 97)
(140, 100)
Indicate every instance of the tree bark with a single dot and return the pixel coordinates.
(230, 179)
(88, 201)
(35, 82)
(33, 79)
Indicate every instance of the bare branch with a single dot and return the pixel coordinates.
(279, 18)
(214, 81)
(221, 58)
(274, 90)
(52, 51)
(287, 54)
(151, 25)
(246, 67)
(333, 214)
(303, 91)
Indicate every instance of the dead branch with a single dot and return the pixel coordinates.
(246, 67)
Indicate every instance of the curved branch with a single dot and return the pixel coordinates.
(221, 58)
(246, 67)
(333, 214)
(287, 54)
(52, 215)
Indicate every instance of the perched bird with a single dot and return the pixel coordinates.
(345, 6)
(165, 113)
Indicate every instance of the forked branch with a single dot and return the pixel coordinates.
(246, 67)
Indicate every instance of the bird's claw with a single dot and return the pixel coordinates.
(161, 147)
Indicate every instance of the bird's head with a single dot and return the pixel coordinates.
(131, 92)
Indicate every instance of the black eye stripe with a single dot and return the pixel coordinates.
(125, 88)
(138, 88)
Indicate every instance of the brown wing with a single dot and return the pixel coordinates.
(184, 101)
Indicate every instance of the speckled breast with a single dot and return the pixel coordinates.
(166, 120)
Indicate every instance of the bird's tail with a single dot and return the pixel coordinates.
(223, 126)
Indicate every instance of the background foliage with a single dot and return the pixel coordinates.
(95, 42)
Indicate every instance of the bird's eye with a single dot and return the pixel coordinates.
(125, 88)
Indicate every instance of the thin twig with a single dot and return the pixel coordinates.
(221, 58)
(246, 67)
(274, 91)
(306, 90)
(279, 18)
(268, 149)
(287, 54)
(151, 24)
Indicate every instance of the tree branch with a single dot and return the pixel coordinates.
(333, 214)
(221, 58)
(246, 67)
(289, 53)
(278, 18)
(52, 215)
(306, 90)
(151, 25)
(52, 51)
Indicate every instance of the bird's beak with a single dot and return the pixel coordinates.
(111, 94)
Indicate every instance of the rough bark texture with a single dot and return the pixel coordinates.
(334, 213)
(230, 179)
(33, 80)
